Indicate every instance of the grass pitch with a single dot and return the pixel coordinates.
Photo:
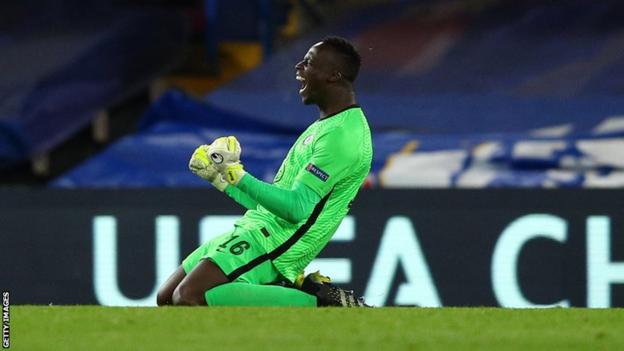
(257, 329)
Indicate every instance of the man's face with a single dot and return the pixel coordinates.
(313, 72)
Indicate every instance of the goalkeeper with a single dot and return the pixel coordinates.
(289, 221)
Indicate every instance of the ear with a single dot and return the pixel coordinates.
(335, 76)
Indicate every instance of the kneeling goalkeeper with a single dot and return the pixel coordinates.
(290, 221)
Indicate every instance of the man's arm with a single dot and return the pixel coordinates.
(241, 198)
(329, 163)
(293, 205)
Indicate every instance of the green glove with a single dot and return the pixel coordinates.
(225, 153)
(203, 167)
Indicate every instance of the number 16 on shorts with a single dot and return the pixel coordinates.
(235, 247)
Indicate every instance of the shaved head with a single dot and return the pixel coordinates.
(346, 60)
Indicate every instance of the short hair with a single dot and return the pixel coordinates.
(351, 60)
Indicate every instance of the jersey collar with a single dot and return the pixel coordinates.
(339, 112)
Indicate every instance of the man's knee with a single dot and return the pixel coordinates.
(165, 292)
(164, 297)
(185, 296)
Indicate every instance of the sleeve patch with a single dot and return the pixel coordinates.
(319, 173)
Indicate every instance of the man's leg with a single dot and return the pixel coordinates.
(245, 294)
(207, 267)
(183, 285)
(165, 292)
(190, 292)
(207, 285)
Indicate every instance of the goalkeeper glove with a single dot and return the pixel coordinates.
(201, 166)
(225, 155)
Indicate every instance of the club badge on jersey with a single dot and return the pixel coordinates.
(308, 139)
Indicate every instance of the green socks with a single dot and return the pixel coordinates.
(244, 294)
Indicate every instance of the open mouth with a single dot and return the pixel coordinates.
(304, 85)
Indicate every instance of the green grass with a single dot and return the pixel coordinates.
(257, 329)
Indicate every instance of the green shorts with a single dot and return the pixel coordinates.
(239, 256)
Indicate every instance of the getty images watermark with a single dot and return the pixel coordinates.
(6, 317)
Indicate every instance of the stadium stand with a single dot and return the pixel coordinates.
(502, 94)
(64, 61)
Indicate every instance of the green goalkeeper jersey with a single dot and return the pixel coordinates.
(332, 157)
